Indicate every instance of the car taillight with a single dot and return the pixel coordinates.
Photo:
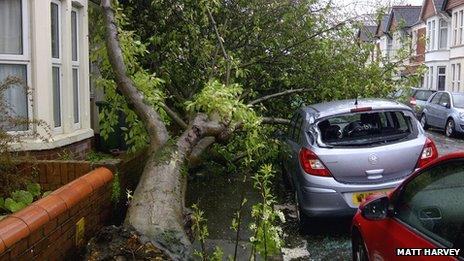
(413, 101)
(312, 165)
(429, 153)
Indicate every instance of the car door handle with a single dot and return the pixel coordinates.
(374, 173)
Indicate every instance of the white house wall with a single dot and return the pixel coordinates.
(41, 74)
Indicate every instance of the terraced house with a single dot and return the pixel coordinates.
(435, 32)
(45, 43)
(397, 31)
(455, 9)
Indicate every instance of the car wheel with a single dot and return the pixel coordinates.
(450, 128)
(303, 220)
(423, 122)
(359, 249)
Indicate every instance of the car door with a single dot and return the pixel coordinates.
(428, 213)
(287, 151)
(296, 147)
(442, 109)
(432, 110)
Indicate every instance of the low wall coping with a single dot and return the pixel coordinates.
(21, 224)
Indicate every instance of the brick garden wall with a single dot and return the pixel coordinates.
(48, 229)
(55, 227)
(78, 150)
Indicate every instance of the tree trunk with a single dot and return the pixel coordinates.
(157, 207)
(156, 211)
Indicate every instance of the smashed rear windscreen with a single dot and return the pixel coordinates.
(365, 128)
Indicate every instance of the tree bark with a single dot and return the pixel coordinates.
(155, 127)
(156, 211)
(157, 207)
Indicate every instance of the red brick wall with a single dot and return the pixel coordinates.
(78, 150)
(54, 174)
(47, 229)
(429, 9)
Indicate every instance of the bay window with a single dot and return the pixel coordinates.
(75, 65)
(55, 8)
(443, 43)
(14, 62)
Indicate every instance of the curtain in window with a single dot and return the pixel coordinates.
(15, 96)
(10, 27)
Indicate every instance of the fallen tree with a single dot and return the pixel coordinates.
(157, 212)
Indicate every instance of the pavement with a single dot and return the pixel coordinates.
(218, 195)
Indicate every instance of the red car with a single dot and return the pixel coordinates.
(423, 219)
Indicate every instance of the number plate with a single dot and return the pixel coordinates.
(358, 197)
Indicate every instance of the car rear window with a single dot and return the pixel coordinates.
(358, 129)
(423, 95)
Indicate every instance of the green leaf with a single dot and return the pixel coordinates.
(14, 206)
(22, 196)
(34, 189)
(46, 193)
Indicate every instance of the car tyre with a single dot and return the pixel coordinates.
(358, 247)
(450, 128)
(423, 122)
(302, 218)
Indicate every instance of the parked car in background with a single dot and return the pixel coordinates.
(444, 110)
(418, 99)
(337, 153)
(425, 211)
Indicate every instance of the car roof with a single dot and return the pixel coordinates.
(344, 106)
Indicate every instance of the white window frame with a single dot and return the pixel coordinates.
(442, 28)
(433, 38)
(458, 76)
(440, 74)
(23, 59)
(57, 62)
(455, 28)
(461, 27)
(76, 66)
(430, 77)
(453, 76)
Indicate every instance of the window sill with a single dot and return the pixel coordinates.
(55, 142)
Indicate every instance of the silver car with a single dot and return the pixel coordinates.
(444, 110)
(337, 153)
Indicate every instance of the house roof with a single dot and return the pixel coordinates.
(408, 13)
(438, 4)
(366, 33)
(382, 25)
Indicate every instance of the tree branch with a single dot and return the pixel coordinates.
(274, 95)
(155, 127)
(174, 116)
(272, 120)
(221, 45)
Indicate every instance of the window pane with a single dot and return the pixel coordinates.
(15, 97)
(74, 35)
(10, 27)
(76, 95)
(56, 96)
(55, 31)
(432, 202)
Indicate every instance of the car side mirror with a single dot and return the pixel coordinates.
(377, 209)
